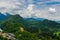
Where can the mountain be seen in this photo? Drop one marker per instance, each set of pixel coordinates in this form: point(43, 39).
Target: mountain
point(15, 18)
point(34, 19)
point(12, 23)
point(39, 26)
point(3, 17)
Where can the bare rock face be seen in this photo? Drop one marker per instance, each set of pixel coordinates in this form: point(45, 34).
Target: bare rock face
point(21, 29)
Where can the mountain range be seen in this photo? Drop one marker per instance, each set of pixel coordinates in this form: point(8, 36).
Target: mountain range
point(39, 26)
point(7, 15)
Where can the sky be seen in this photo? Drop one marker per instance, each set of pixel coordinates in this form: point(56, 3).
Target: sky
point(47, 9)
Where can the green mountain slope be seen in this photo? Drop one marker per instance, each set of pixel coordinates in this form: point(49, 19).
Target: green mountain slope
point(44, 30)
point(12, 23)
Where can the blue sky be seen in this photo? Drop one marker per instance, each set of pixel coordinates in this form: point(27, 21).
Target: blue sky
point(48, 9)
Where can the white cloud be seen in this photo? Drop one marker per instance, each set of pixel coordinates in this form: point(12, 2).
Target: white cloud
point(10, 6)
point(52, 10)
point(30, 7)
point(29, 10)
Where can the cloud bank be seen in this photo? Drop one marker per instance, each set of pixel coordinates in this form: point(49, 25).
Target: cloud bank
point(48, 9)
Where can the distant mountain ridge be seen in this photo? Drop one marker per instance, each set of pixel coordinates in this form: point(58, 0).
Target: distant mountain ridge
point(7, 15)
point(34, 19)
point(3, 17)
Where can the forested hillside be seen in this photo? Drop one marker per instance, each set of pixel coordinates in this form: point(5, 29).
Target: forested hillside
point(25, 29)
